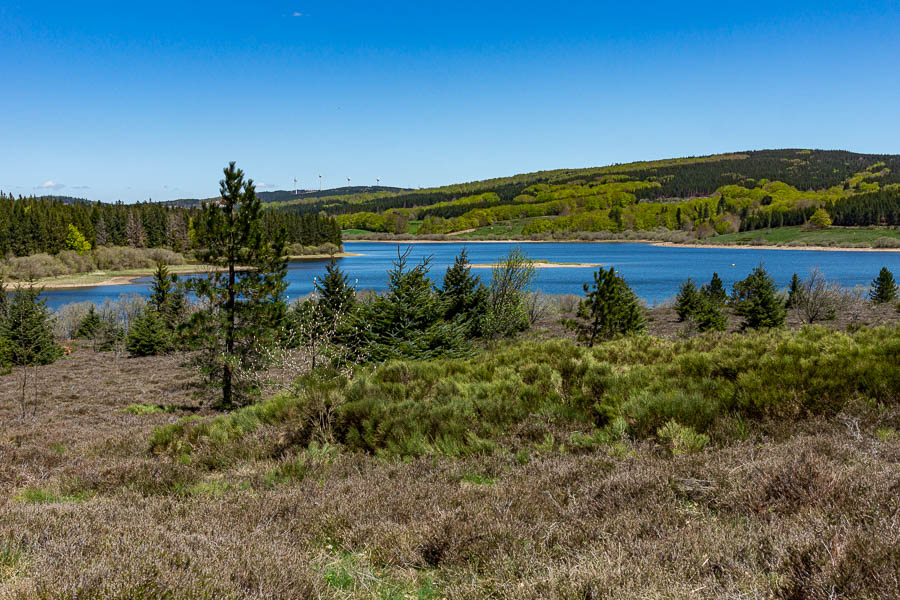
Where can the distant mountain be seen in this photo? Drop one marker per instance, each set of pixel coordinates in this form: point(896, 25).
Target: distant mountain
point(288, 196)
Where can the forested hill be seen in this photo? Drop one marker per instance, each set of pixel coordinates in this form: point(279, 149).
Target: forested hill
point(706, 195)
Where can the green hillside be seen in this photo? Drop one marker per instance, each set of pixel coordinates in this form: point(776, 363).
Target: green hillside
point(703, 197)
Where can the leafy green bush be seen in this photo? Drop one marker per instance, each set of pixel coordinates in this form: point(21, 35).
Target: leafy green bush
point(517, 395)
point(680, 439)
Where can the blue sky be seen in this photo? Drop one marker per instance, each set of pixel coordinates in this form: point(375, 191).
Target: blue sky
point(109, 101)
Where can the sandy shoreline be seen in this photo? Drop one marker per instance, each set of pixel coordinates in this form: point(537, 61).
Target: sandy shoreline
point(544, 265)
point(67, 282)
point(650, 242)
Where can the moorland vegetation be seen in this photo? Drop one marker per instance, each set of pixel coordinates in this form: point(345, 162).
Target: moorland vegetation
point(451, 440)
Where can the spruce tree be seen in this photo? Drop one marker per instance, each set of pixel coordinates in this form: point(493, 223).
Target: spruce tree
point(715, 291)
point(27, 334)
point(336, 295)
point(91, 325)
point(149, 335)
point(166, 296)
point(406, 322)
point(709, 315)
point(795, 292)
point(609, 309)
point(756, 300)
point(884, 288)
point(463, 296)
point(688, 300)
point(244, 298)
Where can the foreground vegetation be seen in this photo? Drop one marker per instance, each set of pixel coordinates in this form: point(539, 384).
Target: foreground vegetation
point(538, 470)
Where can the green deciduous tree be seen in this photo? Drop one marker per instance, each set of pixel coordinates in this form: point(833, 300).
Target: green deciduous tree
point(756, 300)
point(884, 288)
point(76, 241)
point(510, 277)
point(820, 219)
point(243, 302)
point(610, 308)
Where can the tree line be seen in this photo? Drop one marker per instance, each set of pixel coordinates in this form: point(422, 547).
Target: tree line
point(30, 225)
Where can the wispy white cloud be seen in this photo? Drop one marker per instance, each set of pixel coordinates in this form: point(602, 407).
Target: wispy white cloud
point(297, 14)
point(81, 187)
point(262, 184)
point(50, 185)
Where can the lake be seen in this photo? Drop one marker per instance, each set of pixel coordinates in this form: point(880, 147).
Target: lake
point(654, 272)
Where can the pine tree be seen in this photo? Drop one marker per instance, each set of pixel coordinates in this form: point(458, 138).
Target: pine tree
point(610, 308)
point(709, 316)
point(166, 297)
point(795, 292)
point(884, 288)
point(91, 325)
point(149, 335)
point(756, 300)
point(245, 308)
point(27, 335)
point(463, 296)
point(715, 291)
point(336, 295)
point(688, 300)
point(406, 322)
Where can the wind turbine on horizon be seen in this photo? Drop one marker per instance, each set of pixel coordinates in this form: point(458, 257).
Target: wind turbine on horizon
point(320, 182)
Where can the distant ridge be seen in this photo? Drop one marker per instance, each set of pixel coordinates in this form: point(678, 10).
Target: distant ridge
point(290, 196)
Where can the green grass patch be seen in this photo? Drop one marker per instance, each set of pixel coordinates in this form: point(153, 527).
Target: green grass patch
point(888, 434)
point(833, 236)
point(12, 560)
point(149, 409)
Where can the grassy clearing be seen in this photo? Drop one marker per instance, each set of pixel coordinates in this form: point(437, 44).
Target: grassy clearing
point(833, 236)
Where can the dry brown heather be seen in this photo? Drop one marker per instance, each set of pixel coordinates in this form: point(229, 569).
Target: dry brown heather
point(810, 511)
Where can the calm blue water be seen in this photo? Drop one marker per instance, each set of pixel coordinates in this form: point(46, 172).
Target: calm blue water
point(654, 272)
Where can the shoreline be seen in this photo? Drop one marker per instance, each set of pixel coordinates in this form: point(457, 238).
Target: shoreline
point(544, 265)
point(661, 244)
point(129, 276)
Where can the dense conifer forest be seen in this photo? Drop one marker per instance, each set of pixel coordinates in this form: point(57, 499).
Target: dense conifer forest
point(50, 225)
